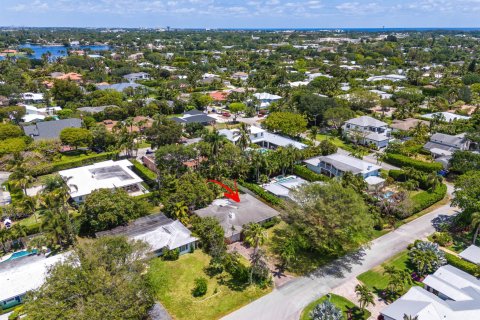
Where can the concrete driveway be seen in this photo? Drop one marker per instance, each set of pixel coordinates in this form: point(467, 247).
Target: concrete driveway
point(288, 301)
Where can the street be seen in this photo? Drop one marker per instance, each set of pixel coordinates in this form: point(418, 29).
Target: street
point(288, 301)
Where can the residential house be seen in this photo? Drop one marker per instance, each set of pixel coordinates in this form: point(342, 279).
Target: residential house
point(445, 116)
point(382, 94)
point(448, 294)
point(135, 56)
point(368, 131)
point(442, 144)
point(120, 87)
point(102, 175)
point(158, 231)
point(263, 138)
point(266, 99)
point(195, 116)
point(283, 187)
point(472, 254)
point(389, 77)
point(30, 97)
point(133, 77)
point(50, 129)
point(19, 276)
point(219, 96)
point(33, 113)
point(243, 76)
point(407, 124)
point(232, 216)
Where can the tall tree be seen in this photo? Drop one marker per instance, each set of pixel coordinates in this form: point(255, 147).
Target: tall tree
point(365, 296)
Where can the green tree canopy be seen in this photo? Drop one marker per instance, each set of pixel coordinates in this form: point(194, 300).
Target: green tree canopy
point(289, 123)
point(8, 130)
point(101, 279)
point(106, 209)
point(467, 192)
point(65, 91)
point(76, 137)
point(164, 131)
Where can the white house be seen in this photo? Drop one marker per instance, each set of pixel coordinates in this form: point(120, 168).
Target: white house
point(263, 138)
point(33, 113)
point(390, 77)
point(382, 94)
point(160, 232)
point(30, 97)
point(368, 130)
point(445, 116)
point(243, 76)
point(102, 175)
point(335, 165)
point(132, 77)
point(449, 294)
point(18, 279)
point(472, 254)
point(266, 99)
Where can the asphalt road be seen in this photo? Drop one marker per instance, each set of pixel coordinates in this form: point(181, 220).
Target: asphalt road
point(288, 301)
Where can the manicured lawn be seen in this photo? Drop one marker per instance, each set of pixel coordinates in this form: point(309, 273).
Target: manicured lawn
point(335, 140)
point(342, 303)
point(173, 281)
point(374, 278)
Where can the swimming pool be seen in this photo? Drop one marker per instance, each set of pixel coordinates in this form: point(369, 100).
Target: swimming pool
point(388, 194)
point(20, 254)
point(284, 179)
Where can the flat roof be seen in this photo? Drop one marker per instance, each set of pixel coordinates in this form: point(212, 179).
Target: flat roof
point(472, 254)
point(344, 163)
point(102, 175)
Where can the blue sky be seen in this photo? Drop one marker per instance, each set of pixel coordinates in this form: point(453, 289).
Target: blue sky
point(241, 14)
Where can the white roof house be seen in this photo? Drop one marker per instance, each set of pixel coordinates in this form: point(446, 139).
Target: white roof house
point(263, 138)
point(391, 77)
point(472, 254)
point(32, 97)
point(447, 116)
point(449, 294)
point(102, 175)
point(16, 280)
point(283, 187)
point(266, 98)
point(337, 164)
point(158, 231)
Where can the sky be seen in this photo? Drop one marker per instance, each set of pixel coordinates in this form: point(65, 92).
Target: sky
point(241, 14)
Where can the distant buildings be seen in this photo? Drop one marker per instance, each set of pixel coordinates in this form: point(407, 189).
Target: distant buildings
point(389, 77)
point(30, 97)
point(449, 294)
point(120, 87)
point(445, 116)
point(102, 175)
point(133, 77)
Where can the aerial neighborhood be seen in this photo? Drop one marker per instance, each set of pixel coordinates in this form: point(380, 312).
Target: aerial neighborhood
point(239, 174)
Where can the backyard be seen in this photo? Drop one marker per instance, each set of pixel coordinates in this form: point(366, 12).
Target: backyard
point(342, 303)
point(173, 281)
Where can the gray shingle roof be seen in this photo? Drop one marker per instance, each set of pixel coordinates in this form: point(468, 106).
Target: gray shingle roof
point(51, 129)
point(119, 86)
point(366, 121)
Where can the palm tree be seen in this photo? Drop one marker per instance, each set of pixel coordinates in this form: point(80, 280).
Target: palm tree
point(21, 177)
point(29, 205)
point(365, 296)
point(433, 180)
point(254, 235)
point(398, 279)
point(180, 212)
point(216, 140)
point(243, 135)
point(312, 133)
point(475, 223)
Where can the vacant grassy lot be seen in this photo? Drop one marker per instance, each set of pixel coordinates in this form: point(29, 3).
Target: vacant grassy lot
point(375, 279)
point(342, 303)
point(173, 282)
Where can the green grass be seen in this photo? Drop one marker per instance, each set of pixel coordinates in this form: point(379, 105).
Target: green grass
point(173, 281)
point(342, 303)
point(374, 278)
point(335, 140)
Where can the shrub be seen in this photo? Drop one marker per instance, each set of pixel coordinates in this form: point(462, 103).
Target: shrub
point(200, 288)
point(426, 257)
point(307, 174)
point(461, 264)
point(442, 238)
point(171, 255)
point(425, 199)
point(404, 161)
point(47, 168)
point(261, 193)
point(146, 174)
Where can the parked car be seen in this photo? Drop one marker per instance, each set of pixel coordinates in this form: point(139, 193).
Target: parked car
point(226, 114)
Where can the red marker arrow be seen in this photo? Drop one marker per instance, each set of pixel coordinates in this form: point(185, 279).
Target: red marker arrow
point(230, 193)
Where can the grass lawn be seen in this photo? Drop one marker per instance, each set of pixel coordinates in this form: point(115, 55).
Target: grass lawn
point(374, 278)
point(342, 303)
point(173, 282)
point(335, 140)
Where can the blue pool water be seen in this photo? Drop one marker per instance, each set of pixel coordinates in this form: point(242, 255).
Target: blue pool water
point(57, 51)
point(20, 254)
point(388, 194)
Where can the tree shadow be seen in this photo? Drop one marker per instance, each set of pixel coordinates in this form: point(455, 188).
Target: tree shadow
point(338, 267)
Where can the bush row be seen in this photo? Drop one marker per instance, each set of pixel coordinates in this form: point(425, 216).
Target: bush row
point(307, 174)
point(421, 177)
point(404, 161)
point(461, 264)
point(259, 191)
point(146, 174)
point(425, 199)
point(47, 168)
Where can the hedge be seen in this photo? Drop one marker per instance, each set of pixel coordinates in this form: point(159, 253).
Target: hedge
point(404, 161)
point(425, 199)
point(421, 177)
point(259, 191)
point(461, 264)
point(307, 174)
point(146, 174)
point(47, 168)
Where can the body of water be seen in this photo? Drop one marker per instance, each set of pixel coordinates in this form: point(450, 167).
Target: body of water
point(57, 51)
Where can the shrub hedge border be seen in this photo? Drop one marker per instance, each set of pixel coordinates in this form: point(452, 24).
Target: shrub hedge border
point(404, 161)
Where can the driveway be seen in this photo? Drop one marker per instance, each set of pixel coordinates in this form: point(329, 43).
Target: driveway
point(371, 158)
point(4, 196)
point(288, 301)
